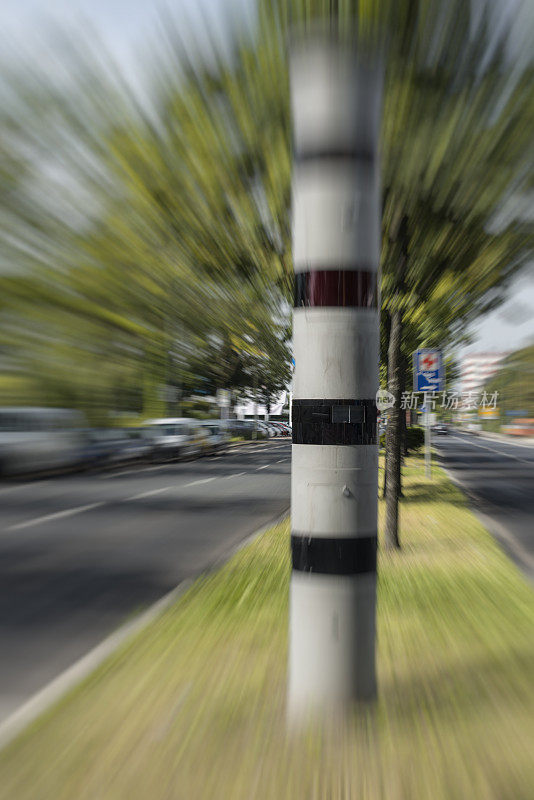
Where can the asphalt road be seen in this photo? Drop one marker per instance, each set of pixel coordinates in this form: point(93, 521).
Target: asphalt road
point(499, 478)
point(80, 554)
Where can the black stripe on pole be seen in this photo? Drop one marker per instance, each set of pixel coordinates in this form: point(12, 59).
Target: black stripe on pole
point(334, 556)
point(302, 154)
point(337, 288)
point(334, 421)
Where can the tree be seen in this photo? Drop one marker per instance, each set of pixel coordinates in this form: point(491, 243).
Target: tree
point(513, 384)
point(445, 260)
point(175, 243)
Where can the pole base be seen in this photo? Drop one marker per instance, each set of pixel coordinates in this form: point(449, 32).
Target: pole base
point(332, 643)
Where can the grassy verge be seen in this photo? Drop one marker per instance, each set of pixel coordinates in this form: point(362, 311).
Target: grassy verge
point(194, 707)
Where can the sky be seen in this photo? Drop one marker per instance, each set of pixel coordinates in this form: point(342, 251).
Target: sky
point(125, 26)
point(510, 326)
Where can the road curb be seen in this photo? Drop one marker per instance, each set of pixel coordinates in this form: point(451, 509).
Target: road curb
point(43, 700)
point(512, 549)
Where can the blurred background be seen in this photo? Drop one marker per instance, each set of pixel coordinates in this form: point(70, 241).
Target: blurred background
point(145, 173)
point(146, 293)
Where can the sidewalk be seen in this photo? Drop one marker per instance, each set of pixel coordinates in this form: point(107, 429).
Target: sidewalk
point(194, 707)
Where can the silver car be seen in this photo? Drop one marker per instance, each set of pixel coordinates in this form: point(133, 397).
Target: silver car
point(218, 435)
point(37, 439)
point(174, 437)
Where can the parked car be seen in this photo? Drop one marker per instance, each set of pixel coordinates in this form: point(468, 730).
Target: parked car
point(100, 448)
point(140, 447)
point(246, 427)
point(38, 439)
point(109, 447)
point(282, 427)
point(204, 438)
point(264, 430)
point(218, 435)
point(175, 437)
point(474, 427)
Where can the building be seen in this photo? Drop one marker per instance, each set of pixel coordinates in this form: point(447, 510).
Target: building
point(247, 407)
point(477, 368)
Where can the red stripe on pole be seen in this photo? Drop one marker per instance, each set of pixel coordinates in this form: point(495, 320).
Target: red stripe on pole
point(319, 288)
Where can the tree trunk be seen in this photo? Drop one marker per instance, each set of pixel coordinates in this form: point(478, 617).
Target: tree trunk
point(394, 431)
point(154, 404)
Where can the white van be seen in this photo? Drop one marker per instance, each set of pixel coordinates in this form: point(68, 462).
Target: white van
point(38, 439)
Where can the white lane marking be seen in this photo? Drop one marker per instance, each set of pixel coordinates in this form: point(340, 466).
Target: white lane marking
point(17, 486)
point(69, 512)
point(148, 494)
point(264, 467)
point(280, 460)
point(235, 475)
point(499, 452)
point(107, 475)
point(202, 480)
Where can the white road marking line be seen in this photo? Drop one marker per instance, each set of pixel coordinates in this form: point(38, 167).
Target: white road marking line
point(148, 494)
point(69, 512)
point(107, 475)
point(17, 486)
point(235, 475)
point(280, 460)
point(202, 480)
point(264, 467)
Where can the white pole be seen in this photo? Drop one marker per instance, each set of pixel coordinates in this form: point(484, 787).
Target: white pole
point(290, 408)
point(255, 431)
point(428, 455)
point(336, 246)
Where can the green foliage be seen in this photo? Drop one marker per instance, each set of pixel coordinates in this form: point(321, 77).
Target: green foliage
point(132, 284)
point(146, 242)
point(198, 409)
point(514, 383)
point(415, 439)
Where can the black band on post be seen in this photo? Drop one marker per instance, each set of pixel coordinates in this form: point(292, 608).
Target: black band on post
point(331, 154)
point(334, 556)
point(336, 288)
point(334, 422)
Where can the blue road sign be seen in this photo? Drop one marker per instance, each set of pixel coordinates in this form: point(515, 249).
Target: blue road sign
point(428, 371)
